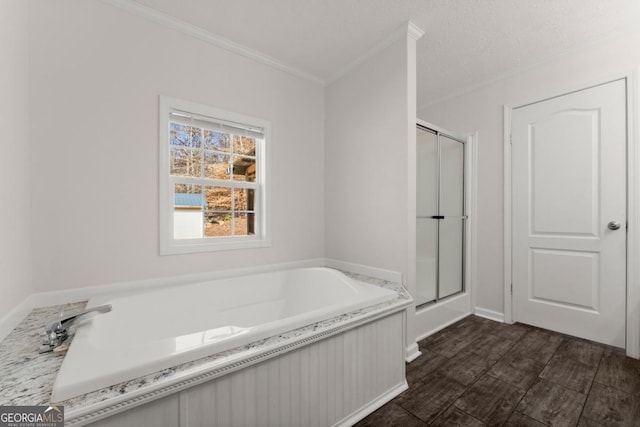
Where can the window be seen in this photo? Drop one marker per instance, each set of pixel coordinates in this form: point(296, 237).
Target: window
point(213, 179)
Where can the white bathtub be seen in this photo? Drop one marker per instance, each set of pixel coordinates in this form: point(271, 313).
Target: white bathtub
point(155, 330)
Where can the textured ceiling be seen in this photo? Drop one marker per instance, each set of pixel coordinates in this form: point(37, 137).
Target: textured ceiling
point(466, 42)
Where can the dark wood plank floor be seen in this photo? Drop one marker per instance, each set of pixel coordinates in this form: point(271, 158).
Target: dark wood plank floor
point(478, 372)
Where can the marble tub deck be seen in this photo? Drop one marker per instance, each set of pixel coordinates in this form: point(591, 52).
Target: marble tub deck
point(27, 377)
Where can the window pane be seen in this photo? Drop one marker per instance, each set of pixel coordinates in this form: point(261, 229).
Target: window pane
point(185, 162)
point(218, 224)
point(251, 215)
point(189, 189)
point(216, 165)
point(214, 140)
point(244, 145)
point(218, 198)
point(184, 136)
point(187, 212)
point(251, 223)
point(241, 199)
point(218, 215)
point(244, 168)
point(242, 225)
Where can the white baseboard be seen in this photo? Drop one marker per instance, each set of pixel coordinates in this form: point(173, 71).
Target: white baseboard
point(489, 314)
point(373, 406)
point(441, 327)
point(412, 352)
point(378, 273)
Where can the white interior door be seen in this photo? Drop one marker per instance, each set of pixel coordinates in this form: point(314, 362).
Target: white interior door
point(568, 195)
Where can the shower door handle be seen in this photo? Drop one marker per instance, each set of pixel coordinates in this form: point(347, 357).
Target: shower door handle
point(449, 216)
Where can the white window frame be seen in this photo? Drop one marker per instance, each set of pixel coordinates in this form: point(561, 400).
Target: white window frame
point(168, 244)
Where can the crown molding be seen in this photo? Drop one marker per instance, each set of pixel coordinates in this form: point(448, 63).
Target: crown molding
point(407, 29)
point(209, 37)
point(414, 31)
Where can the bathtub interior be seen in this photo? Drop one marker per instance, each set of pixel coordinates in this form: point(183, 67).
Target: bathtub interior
point(152, 331)
point(250, 302)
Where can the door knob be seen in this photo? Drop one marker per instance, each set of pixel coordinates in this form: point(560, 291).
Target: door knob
point(613, 225)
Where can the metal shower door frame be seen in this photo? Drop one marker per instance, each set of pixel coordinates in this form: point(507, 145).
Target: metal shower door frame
point(439, 134)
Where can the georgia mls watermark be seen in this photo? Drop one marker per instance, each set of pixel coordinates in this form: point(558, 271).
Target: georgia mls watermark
point(32, 416)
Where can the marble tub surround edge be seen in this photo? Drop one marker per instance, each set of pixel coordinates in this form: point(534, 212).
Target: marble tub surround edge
point(27, 376)
point(122, 396)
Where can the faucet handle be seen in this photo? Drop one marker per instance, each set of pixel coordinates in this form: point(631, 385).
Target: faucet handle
point(61, 324)
point(46, 337)
point(51, 339)
point(61, 313)
point(57, 331)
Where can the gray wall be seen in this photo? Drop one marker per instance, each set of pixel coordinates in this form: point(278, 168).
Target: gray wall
point(95, 83)
point(15, 191)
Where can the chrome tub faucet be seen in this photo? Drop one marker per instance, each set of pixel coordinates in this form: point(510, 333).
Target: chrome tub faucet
point(56, 332)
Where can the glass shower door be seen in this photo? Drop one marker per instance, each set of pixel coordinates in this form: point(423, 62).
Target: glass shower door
point(451, 226)
point(426, 227)
point(440, 216)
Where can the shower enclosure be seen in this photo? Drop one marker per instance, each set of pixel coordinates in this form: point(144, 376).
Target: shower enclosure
point(440, 215)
